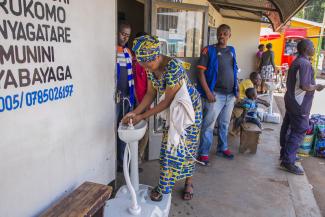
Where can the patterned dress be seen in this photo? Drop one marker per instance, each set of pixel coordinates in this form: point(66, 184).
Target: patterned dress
point(174, 168)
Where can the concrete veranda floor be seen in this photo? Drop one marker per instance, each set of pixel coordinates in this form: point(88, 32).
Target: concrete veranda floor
point(248, 186)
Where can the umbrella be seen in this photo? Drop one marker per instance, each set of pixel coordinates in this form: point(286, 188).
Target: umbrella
point(267, 34)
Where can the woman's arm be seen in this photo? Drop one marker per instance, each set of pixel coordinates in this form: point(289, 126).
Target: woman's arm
point(164, 104)
point(146, 102)
point(147, 99)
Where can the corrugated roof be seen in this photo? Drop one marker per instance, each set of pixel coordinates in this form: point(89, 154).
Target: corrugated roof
point(278, 12)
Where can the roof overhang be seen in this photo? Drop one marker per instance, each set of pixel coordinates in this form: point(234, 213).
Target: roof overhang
point(275, 12)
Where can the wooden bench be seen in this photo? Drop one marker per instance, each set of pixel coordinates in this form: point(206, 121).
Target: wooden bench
point(87, 200)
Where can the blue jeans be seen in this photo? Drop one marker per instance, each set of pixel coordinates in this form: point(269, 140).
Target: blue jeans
point(220, 110)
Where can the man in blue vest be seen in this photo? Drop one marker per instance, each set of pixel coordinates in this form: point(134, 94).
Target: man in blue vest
point(219, 88)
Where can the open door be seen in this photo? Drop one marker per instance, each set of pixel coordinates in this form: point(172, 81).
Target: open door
point(182, 30)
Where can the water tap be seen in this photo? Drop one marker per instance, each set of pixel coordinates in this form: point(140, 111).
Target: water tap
point(123, 101)
point(131, 127)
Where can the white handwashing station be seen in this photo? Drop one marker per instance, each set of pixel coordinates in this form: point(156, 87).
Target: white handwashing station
point(133, 199)
point(269, 116)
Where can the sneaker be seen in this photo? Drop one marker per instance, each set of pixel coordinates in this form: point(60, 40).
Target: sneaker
point(204, 160)
point(291, 168)
point(297, 158)
point(226, 154)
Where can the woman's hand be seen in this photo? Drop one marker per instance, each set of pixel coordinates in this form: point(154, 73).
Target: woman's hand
point(127, 117)
point(136, 119)
point(131, 117)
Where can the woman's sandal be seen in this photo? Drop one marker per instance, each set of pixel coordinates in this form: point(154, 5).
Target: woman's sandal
point(155, 195)
point(188, 195)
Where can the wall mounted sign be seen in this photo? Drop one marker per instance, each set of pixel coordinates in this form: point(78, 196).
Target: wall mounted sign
point(30, 34)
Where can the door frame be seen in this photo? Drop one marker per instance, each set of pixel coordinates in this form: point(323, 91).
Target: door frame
point(151, 7)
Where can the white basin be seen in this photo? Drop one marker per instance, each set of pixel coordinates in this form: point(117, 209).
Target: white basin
point(271, 85)
point(118, 207)
point(130, 135)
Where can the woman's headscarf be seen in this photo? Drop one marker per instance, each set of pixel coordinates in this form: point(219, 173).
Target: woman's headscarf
point(146, 48)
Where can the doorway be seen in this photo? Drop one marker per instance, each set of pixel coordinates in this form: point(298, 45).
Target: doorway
point(132, 12)
point(182, 30)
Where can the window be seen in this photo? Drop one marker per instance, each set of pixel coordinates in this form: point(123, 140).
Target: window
point(212, 39)
point(180, 32)
point(291, 47)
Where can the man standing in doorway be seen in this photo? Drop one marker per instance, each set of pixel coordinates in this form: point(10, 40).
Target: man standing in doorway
point(125, 98)
point(218, 87)
point(298, 101)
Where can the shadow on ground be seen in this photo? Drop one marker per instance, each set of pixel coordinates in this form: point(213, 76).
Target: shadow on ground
point(248, 186)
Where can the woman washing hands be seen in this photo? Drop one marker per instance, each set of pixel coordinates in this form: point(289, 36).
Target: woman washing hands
point(167, 77)
point(131, 118)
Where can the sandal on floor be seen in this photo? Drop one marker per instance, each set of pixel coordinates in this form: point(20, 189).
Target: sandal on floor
point(158, 196)
point(187, 195)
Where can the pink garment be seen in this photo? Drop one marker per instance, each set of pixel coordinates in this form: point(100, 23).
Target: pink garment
point(140, 80)
point(259, 54)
